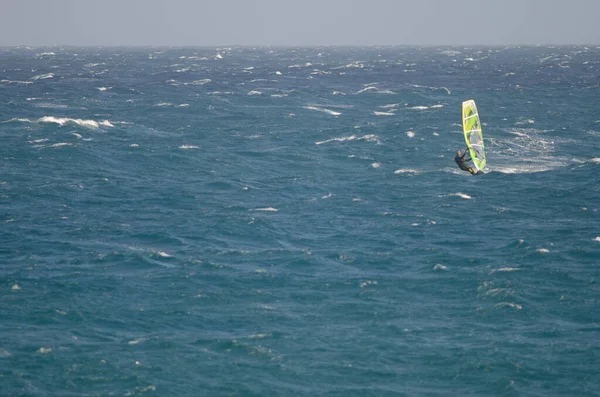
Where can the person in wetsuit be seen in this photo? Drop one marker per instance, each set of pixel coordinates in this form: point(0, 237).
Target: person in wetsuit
point(461, 161)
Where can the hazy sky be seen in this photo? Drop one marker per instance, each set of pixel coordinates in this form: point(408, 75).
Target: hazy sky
point(298, 22)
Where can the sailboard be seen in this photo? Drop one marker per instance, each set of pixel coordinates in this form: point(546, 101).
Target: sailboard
point(473, 135)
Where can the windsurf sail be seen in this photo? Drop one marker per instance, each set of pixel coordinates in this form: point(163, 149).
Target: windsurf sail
point(473, 135)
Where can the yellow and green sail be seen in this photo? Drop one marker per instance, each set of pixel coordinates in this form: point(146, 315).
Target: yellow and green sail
point(472, 132)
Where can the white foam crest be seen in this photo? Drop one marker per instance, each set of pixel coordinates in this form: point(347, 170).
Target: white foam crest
point(44, 350)
point(43, 76)
point(163, 104)
point(506, 269)
point(451, 53)
point(422, 107)
point(137, 341)
point(39, 140)
point(595, 160)
point(331, 112)
point(44, 54)
point(83, 123)
point(16, 82)
point(92, 65)
point(266, 209)
point(440, 267)
point(542, 250)
point(406, 171)
point(384, 113)
point(508, 304)
point(306, 65)
point(375, 90)
point(390, 106)
point(367, 283)
point(376, 165)
point(61, 144)
point(253, 92)
point(278, 73)
point(368, 138)
point(597, 239)
point(461, 195)
point(199, 82)
point(410, 134)
point(337, 93)
point(15, 287)
point(103, 88)
point(188, 147)
point(525, 122)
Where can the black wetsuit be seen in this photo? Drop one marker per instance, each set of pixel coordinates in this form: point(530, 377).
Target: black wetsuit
point(460, 160)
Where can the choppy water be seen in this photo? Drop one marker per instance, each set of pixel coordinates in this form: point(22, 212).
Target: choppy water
point(290, 222)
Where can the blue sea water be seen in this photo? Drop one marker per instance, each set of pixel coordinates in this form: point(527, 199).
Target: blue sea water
point(291, 222)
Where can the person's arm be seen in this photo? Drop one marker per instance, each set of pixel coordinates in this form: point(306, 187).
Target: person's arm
point(466, 152)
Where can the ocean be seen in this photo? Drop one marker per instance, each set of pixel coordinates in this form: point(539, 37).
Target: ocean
point(291, 222)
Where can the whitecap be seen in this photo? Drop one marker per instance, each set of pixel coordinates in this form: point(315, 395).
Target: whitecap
point(418, 108)
point(199, 82)
point(597, 239)
point(461, 195)
point(136, 341)
point(43, 76)
point(323, 110)
point(267, 209)
point(189, 147)
point(376, 165)
point(509, 304)
point(406, 171)
point(506, 269)
point(368, 138)
point(15, 287)
point(410, 134)
point(44, 350)
point(61, 144)
point(368, 282)
point(542, 250)
point(253, 92)
point(440, 267)
point(384, 114)
point(83, 123)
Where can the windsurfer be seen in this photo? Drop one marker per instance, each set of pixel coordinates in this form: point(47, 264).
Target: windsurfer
point(461, 161)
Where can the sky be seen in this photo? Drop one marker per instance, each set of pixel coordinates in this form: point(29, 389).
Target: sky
point(297, 22)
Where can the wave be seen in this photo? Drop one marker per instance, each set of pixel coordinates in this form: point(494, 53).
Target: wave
point(64, 121)
point(16, 82)
point(384, 113)
point(407, 171)
point(368, 138)
point(426, 107)
point(323, 110)
point(189, 147)
point(266, 209)
point(43, 76)
point(461, 195)
point(375, 90)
